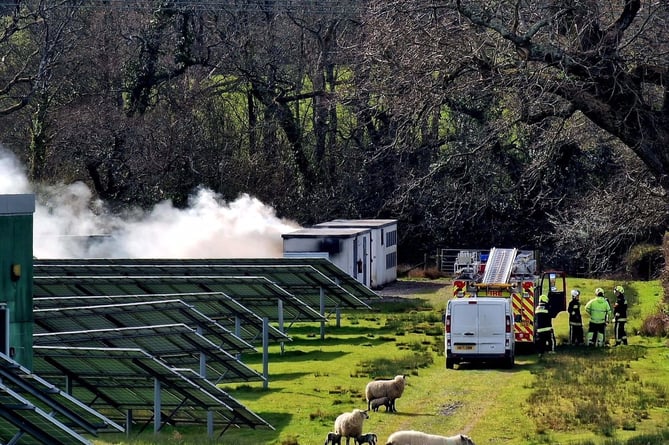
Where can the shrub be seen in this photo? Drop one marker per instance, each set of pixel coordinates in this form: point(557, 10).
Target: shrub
point(656, 325)
point(431, 273)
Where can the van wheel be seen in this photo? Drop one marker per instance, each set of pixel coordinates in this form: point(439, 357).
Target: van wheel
point(449, 364)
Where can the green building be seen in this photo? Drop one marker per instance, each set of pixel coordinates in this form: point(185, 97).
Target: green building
point(16, 277)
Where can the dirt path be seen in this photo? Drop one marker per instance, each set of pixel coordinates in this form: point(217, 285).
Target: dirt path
point(485, 403)
point(462, 400)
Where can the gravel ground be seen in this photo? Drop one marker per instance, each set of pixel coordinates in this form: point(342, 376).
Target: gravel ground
point(403, 288)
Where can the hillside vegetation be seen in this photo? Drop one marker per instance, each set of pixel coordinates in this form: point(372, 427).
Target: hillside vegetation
point(577, 396)
point(539, 124)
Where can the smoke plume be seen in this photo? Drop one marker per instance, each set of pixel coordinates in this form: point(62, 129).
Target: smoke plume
point(69, 222)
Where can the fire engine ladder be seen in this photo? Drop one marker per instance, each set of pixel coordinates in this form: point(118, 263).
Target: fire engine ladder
point(499, 264)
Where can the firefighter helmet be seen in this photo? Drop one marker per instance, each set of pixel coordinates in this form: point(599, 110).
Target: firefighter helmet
point(619, 289)
point(599, 292)
point(575, 293)
point(543, 298)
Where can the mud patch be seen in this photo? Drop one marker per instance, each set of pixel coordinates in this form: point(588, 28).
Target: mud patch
point(449, 409)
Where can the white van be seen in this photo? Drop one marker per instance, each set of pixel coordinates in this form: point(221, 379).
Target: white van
point(479, 329)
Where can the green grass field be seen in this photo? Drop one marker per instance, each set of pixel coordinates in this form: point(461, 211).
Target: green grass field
point(577, 396)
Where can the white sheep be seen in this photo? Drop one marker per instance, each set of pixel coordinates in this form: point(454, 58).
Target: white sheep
point(350, 424)
point(333, 439)
point(369, 438)
point(419, 438)
point(392, 389)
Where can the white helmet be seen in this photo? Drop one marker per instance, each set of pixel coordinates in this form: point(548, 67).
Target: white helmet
point(575, 293)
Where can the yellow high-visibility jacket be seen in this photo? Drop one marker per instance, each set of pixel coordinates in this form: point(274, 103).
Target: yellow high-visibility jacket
point(599, 310)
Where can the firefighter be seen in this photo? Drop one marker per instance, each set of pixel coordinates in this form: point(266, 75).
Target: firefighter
point(599, 311)
point(620, 316)
point(575, 319)
point(545, 340)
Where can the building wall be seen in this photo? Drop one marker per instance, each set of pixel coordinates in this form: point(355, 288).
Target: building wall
point(16, 274)
point(346, 248)
point(383, 246)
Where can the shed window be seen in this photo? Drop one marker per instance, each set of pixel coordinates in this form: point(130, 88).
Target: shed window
point(391, 238)
point(391, 260)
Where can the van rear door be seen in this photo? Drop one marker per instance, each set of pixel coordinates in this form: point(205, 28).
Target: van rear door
point(492, 326)
point(464, 326)
point(478, 327)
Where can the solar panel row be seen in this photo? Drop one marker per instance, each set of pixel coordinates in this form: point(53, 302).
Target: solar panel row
point(168, 324)
point(215, 305)
point(115, 380)
point(140, 313)
point(34, 411)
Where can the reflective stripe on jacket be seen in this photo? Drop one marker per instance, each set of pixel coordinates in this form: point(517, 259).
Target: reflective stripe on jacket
point(542, 318)
point(620, 309)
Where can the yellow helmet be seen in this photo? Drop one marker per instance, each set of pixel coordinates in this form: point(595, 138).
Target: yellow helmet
point(619, 289)
point(543, 298)
point(599, 292)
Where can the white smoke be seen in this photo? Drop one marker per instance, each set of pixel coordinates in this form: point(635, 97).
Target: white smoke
point(70, 223)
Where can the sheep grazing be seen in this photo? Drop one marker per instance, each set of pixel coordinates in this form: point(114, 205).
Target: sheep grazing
point(369, 438)
point(392, 389)
point(350, 424)
point(381, 401)
point(419, 438)
point(333, 439)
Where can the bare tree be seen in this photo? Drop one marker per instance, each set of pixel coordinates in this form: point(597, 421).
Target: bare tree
point(605, 59)
point(597, 231)
point(35, 39)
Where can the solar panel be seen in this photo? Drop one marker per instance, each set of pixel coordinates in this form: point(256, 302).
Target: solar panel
point(305, 281)
point(22, 422)
point(136, 314)
point(258, 294)
point(115, 380)
point(31, 409)
point(178, 345)
point(215, 305)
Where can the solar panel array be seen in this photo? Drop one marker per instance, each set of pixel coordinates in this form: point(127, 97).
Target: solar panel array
point(261, 295)
point(136, 338)
point(302, 277)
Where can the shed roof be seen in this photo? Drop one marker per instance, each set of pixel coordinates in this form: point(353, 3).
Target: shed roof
point(370, 223)
point(326, 232)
